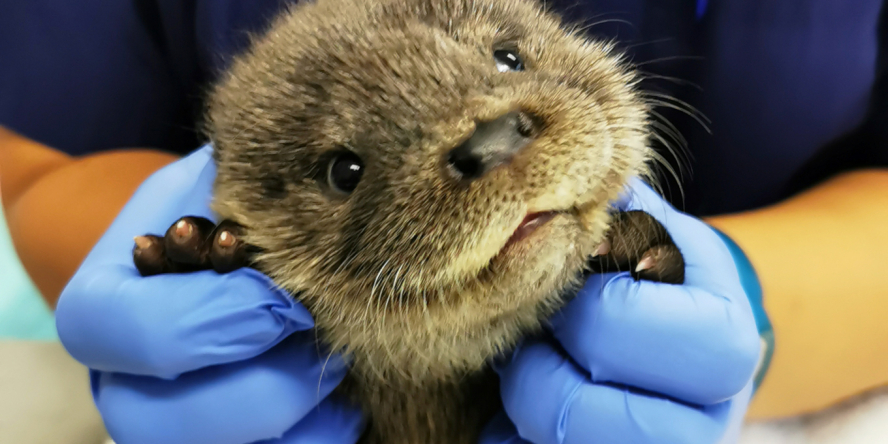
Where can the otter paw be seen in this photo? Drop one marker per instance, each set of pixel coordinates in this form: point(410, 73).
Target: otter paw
point(662, 263)
point(639, 244)
point(192, 244)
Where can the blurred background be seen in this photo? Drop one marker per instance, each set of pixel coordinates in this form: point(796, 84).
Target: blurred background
point(23, 314)
point(44, 394)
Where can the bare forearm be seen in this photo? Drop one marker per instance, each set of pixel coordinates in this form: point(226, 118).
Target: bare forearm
point(821, 260)
point(22, 163)
point(57, 206)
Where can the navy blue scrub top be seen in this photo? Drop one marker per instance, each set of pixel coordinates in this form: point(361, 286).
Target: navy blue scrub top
point(795, 90)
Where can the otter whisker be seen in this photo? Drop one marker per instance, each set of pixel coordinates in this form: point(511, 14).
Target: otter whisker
point(397, 288)
point(653, 181)
point(668, 101)
point(676, 80)
point(665, 59)
point(373, 296)
point(665, 126)
point(323, 370)
point(581, 29)
point(676, 150)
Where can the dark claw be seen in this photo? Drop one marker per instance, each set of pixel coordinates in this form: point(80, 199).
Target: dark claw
point(192, 244)
point(149, 255)
point(637, 238)
point(188, 240)
point(228, 252)
point(662, 263)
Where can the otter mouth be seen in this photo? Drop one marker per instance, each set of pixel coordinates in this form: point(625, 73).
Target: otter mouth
point(531, 223)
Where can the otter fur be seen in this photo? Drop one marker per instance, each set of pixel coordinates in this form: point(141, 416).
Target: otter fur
point(430, 178)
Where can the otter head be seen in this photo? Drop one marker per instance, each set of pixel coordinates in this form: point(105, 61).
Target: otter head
point(427, 176)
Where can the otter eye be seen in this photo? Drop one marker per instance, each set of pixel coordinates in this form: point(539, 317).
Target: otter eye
point(507, 60)
point(344, 172)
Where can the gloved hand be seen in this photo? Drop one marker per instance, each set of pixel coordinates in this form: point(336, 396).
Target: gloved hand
point(202, 357)
point(639, 362)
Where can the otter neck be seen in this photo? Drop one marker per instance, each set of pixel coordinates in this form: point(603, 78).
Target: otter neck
point(446, 411)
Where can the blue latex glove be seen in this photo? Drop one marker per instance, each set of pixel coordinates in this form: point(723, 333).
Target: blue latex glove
point(639, 362)
point(202, 357)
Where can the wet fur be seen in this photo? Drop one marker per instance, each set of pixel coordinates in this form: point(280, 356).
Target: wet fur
point(406, 273)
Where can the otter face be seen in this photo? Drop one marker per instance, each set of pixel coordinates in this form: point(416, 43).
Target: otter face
point(428, 176)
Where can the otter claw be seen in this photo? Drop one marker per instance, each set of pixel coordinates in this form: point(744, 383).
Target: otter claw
point(639, 243)
point(192, 244)
point(226, 239)
point(183, 229)
point(645, 263)
point(142, 242)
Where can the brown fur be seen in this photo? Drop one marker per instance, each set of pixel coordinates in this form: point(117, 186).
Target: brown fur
point(406, 274)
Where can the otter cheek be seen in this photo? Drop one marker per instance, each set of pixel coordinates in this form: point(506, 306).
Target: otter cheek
point(560, 193)
point(476, 254)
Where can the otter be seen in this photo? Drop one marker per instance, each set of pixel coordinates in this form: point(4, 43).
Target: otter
point(432, 179)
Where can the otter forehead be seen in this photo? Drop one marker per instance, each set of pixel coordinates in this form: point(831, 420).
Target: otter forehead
point(395, 74)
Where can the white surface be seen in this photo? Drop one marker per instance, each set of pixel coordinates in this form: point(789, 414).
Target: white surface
point(862, 420)
point(45, 396)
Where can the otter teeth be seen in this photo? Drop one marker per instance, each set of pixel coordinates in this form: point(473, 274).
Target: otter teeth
point(602, 249)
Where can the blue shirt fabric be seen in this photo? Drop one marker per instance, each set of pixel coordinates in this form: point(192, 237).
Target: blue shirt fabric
point(793, 88)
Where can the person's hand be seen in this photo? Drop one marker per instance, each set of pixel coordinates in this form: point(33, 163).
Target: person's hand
point(198, 357)
point(636, 361)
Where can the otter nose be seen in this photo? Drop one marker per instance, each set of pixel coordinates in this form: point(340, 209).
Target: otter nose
point(493, 143)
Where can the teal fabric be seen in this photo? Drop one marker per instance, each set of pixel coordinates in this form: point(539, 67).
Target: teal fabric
point(753, 288)
point(23, 314)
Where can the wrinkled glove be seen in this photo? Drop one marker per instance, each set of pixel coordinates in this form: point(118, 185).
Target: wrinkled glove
point(198, 357)
point(641, 362)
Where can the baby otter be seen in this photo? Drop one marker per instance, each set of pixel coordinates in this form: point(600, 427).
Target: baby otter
point(430, 178)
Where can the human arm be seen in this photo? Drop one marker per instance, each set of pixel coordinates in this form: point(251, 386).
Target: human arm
point(820, 259)
point(57, 206)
